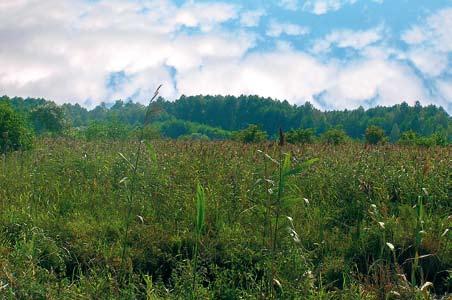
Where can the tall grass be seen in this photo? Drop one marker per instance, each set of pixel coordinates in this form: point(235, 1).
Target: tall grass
point(63, 221)
point(133, 178)
point(200, 216)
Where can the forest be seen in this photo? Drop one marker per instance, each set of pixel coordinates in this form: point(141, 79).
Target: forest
point(219, 117)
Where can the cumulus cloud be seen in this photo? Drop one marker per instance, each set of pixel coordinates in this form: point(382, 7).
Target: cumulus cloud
point(275, 29)
point(251, 18)
point(320, 7)
point(431, 43)
point(385, 81)
point(358, 39)
point(79, 51)
point(66, 50)
point(264, 74)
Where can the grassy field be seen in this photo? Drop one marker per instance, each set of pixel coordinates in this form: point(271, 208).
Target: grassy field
point(223, 220)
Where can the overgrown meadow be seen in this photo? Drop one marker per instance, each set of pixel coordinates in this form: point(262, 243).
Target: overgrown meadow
point(225, 220)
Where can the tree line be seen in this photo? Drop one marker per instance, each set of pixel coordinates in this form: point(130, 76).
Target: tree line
point(246, 118)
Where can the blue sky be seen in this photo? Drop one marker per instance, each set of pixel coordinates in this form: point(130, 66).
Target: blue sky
point(334, 53)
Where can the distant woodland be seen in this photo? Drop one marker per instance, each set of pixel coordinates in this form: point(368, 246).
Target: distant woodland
point(218, 117)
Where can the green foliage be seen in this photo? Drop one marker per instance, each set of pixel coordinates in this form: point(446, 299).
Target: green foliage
point(234, 113)
point(175, 128)
point(251, 134)
point(150, 132)
point(48, 118)
point(410, 138)
point(106, 130)
point(14, 134)
point(374, 135)
point(334, 136)
point(395, 133)
point(300, 136)
point(194, 137)
point(64, 208)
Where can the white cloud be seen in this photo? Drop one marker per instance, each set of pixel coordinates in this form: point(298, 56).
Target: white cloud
point(262, 74)
point(385, 81)
point(435, 32)
point(251, 18)
point(289, 4)
point(67, 50)
point(431, 43)
point(320, 7)
point(275, 29)
point(205, 15)
point(431, 63)
point(415, 35)
point(349, 39)
point(445, 89)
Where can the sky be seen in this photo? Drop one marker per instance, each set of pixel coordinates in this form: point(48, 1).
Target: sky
point(335, 54)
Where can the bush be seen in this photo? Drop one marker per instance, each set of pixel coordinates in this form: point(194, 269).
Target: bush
point(411, 138)
point(300, 136)
point(14, 134)
point(251, 134)
point(150, 132)
point(374, 135)
point(334, 136)
point(194, 137)
point(175, 128)
point(107, 130)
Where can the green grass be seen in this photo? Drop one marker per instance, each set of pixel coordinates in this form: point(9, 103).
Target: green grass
point(323, 235)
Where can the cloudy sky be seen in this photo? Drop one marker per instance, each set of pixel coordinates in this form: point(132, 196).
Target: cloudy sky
point(334, 53)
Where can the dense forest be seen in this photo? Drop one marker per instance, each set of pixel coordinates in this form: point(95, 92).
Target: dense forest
point(215, 117)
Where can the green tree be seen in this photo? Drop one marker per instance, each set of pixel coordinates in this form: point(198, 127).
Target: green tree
point(48, 118)
point(408, 138)
point(334, 136)
point(395, 133)
point(14, 134)
point(175, 128)
point(374, 135)
point(300, 136)
point(251, 134)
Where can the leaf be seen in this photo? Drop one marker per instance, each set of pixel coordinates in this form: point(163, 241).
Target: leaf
point(300, 168)
point(391, 246)
point(152, 152)
point(200, 208)
point(286, 164)
point(126, 160)
point(426, 286)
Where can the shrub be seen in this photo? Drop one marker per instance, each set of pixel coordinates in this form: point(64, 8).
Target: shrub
point(251, 134)
point(150, 132)
point(175, 128)
point(14, 134)
point(334, 136)
point(374, 135)
point(411, 138)
point(300, 136)
point(194, 137)
point(107, 130)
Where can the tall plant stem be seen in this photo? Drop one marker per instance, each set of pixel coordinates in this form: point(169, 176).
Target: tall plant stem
point(133, 179)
